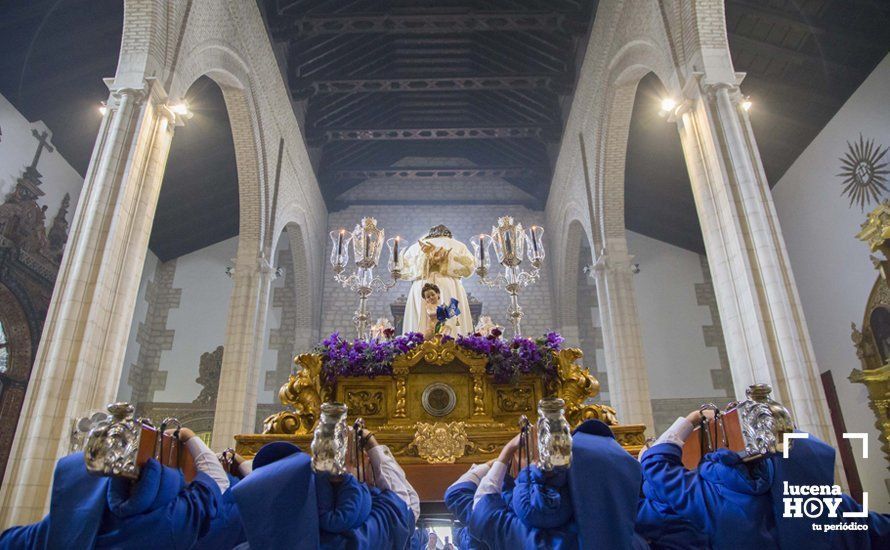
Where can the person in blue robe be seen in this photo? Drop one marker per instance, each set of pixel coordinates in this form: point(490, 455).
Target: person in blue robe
point(663, 529)
point(157, 510)
point(226, 530)
point(811, 462)
point(283, 492)
point(563, 510)
point(725, 499)
point(459, 501)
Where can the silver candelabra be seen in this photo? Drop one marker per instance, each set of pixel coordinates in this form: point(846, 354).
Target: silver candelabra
point(367, 243)
point(511, 243)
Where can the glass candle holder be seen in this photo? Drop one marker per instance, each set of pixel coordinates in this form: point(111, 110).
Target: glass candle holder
point(481, 251)
point(535, 244)
point(367, 242)
point(554, 435)
point(330, 440)
point(395, 253)
point(509, 241)
point(340, 251)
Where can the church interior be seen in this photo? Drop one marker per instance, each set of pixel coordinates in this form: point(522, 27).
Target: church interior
point(221, 212)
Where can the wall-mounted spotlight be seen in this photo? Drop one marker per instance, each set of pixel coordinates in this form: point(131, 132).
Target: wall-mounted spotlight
point(746, 103)
point(668, 105)
point(103, 108)
point(181, 109)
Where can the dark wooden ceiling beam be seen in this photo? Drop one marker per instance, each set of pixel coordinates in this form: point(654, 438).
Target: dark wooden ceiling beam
point(335, 205)
point(432, 173)
point(814, 26)
point(473, 132)
point(444, 23)
point(772, 50)
point(554, 83)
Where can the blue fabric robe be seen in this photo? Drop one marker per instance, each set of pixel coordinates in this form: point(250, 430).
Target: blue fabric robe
point(159, 510)
point(225, 530)
point(601, 472)
point(723, 498)
point(664, 529)
point(811, 462)
point(459, 501)
point(76, 495)
point(277, 504)
point(98, 512)
point(353, 515)
point(284, 505)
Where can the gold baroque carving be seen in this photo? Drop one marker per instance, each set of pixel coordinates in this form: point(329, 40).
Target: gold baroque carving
point(878, 383)
point(401, 395)
point(364, 402)
point(517, 399)
point(440, 443)
point(438, 352)
point(304, 393)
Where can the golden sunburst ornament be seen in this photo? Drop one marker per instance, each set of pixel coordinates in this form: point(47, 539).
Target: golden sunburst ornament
point(864, 179)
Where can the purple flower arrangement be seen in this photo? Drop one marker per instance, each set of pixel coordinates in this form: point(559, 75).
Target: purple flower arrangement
point(507, 359)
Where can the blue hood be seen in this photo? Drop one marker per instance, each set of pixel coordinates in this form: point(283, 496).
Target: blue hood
point(342, 506)
point(603, 472)
point(157, 486)
point(79, 498)
point(541, 500)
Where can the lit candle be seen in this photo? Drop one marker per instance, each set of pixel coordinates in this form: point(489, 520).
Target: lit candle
point(395, 252)
point(534, 240)
point(507, 246)
point(340, 243)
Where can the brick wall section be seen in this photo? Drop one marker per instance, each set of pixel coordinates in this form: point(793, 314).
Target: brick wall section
point(153, 336)
point(713, 333)
point(412, 222)
point(495, 189)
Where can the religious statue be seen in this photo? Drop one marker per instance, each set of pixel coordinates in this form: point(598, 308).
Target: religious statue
point(441, 260)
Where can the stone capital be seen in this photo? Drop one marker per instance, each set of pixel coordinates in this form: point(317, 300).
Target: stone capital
point(613, 262)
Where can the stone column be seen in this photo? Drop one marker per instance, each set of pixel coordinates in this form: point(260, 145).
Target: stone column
point(245, 330)
point(622, 341)
point(80, 357)
point(766, 335)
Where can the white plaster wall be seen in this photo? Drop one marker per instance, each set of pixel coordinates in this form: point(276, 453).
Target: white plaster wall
point(832, 269)
point(132, 354)
point(17, 148)
point(200, 319)
point(678, 362)
point(199, 322)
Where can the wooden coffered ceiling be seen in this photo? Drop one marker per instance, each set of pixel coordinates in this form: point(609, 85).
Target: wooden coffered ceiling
point(488, 81)
point(482, 80)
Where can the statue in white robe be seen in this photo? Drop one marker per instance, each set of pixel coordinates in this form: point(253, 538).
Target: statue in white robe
point(442, 260)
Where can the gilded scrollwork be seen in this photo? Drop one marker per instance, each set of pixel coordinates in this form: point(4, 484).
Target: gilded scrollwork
point(516, 399)
point(437, 351)
point(468, 437)
point(478, 391)
point(576, 386)
point(303, 391)
point(365, 402)
point(440, 443)
point(878, 383)
point(401, 396)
